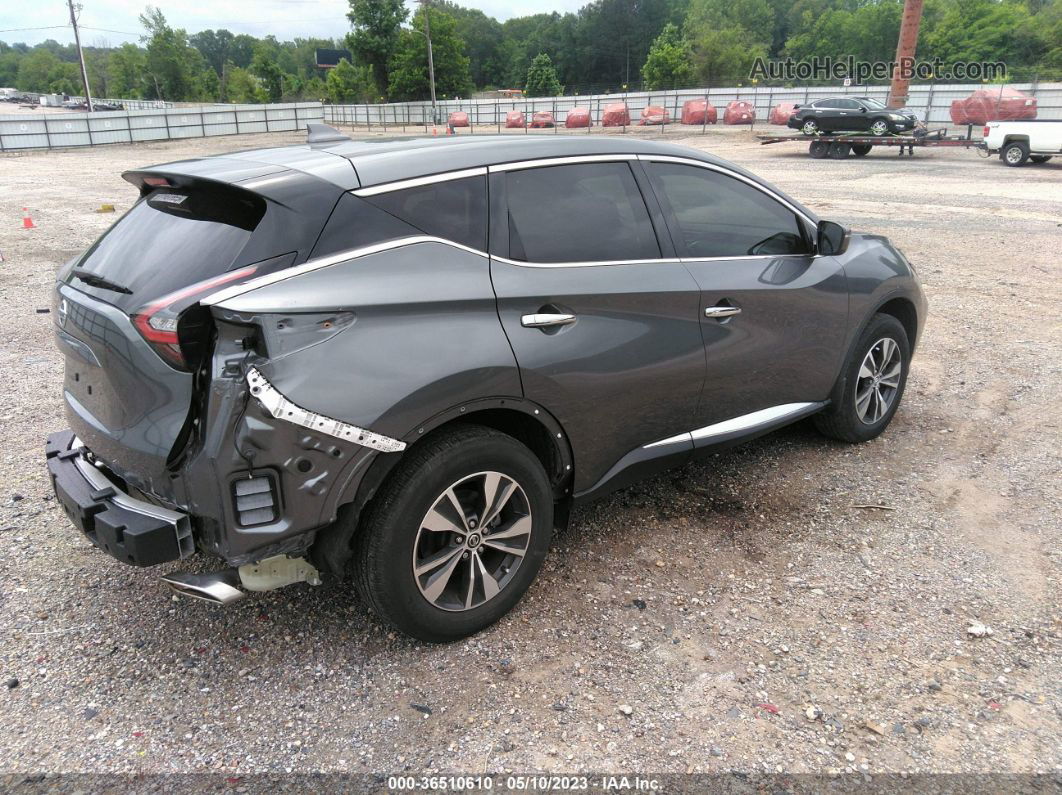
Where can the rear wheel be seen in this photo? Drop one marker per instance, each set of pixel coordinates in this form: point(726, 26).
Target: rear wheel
point(867, 396)
point(1039, 158)
point(880, 127)
point(456, 535)
point(1015, 153)
point(819, 149)
point(861, 150)
point(809, 127)
point(839, 151)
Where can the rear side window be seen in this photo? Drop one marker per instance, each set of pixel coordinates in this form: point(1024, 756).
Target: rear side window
point(718, 216)
point(453, 210)
point(588, 212)
point(174, 238)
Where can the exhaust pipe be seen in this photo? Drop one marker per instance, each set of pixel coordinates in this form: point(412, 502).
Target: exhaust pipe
point(219, 587)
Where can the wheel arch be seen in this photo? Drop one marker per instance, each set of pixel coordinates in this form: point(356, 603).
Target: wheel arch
point(527, 422)
point(904, 310)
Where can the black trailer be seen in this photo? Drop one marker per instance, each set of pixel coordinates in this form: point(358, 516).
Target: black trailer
point(841, 145)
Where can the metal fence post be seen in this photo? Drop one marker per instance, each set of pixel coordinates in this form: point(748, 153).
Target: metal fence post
point(704, 118)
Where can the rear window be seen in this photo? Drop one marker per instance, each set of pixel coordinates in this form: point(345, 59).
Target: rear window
point(172, 239)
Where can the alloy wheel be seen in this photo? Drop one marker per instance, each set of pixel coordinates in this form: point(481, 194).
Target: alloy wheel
point(810, 127)
point(878, 381)
point(471, 541)
point(879, 127)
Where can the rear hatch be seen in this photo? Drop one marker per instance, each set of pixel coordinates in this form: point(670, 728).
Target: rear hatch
point(121, 315)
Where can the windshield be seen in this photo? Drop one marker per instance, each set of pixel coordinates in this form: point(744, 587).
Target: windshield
point(169, 240)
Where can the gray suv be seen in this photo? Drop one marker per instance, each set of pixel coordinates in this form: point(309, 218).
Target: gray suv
point(409, 359)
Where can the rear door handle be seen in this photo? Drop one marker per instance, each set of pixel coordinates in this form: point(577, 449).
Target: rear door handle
point(721, 311)
point(546, 319)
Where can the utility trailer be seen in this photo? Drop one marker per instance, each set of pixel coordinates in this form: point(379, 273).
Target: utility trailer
point(841, 145)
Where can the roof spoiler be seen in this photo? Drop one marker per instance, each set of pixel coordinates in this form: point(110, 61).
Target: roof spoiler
point(324, 134)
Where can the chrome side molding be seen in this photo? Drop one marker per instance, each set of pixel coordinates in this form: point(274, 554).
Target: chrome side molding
point(746, 422)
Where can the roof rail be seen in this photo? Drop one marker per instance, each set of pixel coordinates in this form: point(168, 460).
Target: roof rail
point(324, 134)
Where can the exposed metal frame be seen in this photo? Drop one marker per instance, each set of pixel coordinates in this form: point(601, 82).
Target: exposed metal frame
point(283, 409)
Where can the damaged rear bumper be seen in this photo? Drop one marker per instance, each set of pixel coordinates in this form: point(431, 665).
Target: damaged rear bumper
point(129, 529)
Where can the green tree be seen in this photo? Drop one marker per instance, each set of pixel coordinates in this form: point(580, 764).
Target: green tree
point(542, 78)
point(264, 67)
point(35, 70)
point(409, 67)
point(175, 69)
point(126, 66)
point(483, 39)
point(375, 39)
point(726, 37)
point(669, 64)
point(243, 87)
point(347, 84)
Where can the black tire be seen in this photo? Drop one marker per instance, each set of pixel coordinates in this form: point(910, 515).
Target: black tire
point(1039, 158)
point(861, 150)
point(809, 127)
point(385, 545)
point(1015, 153)
point(819, 149)
point(880, 126)
point(839, 151)
point(841, 420)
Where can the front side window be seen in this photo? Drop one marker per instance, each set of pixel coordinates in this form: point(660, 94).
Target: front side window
point(586, 212)
point(719, 216)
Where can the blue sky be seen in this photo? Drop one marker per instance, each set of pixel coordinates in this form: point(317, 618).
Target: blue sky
point(115, 21)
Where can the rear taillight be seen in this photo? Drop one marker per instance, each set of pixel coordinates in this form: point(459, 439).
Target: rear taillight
point(985, 131)
point(157, 321)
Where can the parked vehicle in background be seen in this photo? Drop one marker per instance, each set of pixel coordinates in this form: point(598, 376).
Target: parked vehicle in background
point(1018, 142)
point(410, 359)
point(851, 114)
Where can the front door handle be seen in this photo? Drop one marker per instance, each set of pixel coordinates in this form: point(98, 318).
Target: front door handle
point(546, 319)
point(721, 311)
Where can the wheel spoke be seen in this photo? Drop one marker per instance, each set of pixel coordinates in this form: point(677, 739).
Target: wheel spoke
point(520, 527)
point(496, 491)
point(436, 560)
point(863, 402)
point(864, 370)
point(437, 582)
point(490, 585)
point(517, 549)
point(471, 580)
point(437, 523)
point(456, 503)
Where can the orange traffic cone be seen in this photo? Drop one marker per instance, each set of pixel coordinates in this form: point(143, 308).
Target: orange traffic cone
point(27, 222)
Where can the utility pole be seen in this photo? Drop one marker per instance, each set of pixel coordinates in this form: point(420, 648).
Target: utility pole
point(431, 62)
point(905, 52)
point(80, 54)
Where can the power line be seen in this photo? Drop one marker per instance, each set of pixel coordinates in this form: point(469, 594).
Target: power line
point(18, 30)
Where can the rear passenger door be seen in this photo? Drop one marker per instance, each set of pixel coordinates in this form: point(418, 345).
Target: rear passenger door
point(773, 313)
point(601, 315)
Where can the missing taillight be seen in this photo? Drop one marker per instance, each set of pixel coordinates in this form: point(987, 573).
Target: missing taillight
point(157, 322)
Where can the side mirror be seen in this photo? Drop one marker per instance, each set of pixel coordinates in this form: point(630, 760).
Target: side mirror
point(831, 238)
point(862, 109)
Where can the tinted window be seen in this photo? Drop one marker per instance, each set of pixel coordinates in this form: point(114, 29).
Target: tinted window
point(172, 239)
point(847, 104)
point(825, 103)
point(719, 216)
point(590, 212)
point(454, 210)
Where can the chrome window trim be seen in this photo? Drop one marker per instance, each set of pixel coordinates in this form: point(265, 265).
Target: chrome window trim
point(416, 182)
point(545, 162)
point(215, 299)
point(689, 161)
point(603, 263)
point(744, 422)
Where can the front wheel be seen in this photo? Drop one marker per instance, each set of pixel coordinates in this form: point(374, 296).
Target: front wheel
point(456, 535)
point(872, 385)
point(879, 127)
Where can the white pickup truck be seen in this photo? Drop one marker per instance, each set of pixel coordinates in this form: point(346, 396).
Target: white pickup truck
point(1020, 141)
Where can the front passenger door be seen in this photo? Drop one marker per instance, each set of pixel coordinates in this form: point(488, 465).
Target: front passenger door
point(773, 314)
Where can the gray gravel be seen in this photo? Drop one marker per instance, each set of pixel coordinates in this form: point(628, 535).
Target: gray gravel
point(740, 613)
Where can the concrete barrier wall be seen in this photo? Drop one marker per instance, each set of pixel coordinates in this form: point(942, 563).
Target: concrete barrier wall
point(63, 130)
point(931, 102)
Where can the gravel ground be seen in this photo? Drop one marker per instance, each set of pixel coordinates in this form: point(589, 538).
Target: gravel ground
point(748, 613)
